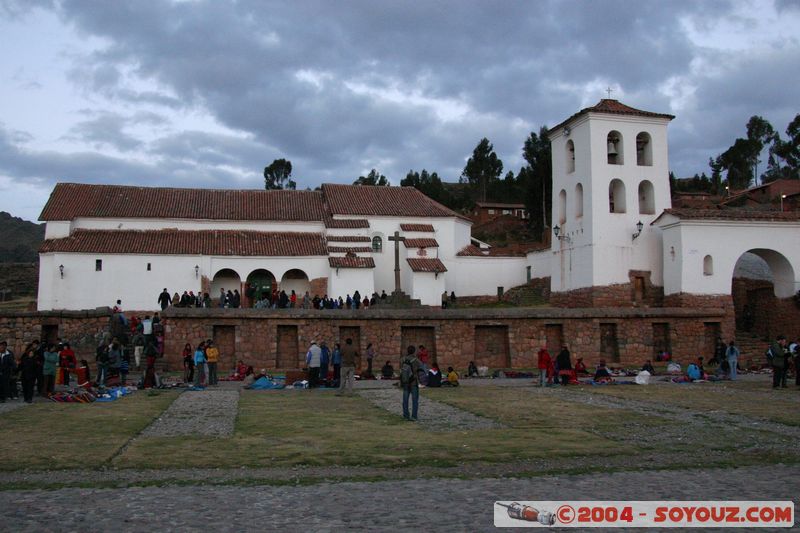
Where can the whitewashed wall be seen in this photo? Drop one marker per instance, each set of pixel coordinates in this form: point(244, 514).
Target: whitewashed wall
point(186, 224)
point(687, 243)
point(477, 276)
point(427, 287)
point(348, 281)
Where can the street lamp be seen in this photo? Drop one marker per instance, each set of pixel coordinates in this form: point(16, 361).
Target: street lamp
point(61, 270)
point(782, 197)
point(639, 227)
point(196, 271)
point(557, 230)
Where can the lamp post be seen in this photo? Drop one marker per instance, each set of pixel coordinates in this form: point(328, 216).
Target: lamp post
point(782, 197)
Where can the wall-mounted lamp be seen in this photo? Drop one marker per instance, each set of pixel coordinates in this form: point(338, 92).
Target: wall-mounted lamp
point(196, 271)
point(557, 230)
point(639, 227)
point(61, 270)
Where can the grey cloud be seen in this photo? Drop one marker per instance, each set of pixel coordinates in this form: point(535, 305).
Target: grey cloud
point(105, 129)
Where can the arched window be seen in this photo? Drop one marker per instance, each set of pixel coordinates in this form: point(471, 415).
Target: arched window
point(644, 150)
point(647, 204)
point(570, 156)
point(377, 244)
point(562, 206)
point(708, 266)
point(616, 196)
point(578, 201)
point(614, 148)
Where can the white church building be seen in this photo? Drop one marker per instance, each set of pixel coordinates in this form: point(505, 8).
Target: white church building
point(616, 240)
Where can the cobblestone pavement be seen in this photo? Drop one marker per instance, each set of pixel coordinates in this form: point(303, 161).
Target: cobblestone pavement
point(207, 412)
point(433, 415)
point(433, 504)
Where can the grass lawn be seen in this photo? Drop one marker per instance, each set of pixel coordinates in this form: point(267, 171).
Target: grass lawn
point(69, 435)
point(292, 428)
point(748, 398)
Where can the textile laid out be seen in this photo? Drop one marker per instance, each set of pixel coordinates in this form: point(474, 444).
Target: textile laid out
point(264, 383)
point(91, 395)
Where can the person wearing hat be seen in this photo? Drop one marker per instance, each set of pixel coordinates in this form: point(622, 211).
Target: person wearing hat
point(8, 365)
point(313, 360)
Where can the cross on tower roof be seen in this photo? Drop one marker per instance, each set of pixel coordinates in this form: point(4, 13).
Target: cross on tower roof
point(608, 90)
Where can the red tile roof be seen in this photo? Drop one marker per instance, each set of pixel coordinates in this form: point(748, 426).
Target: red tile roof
point(348, 238)
point(426, 265)
point(178, 242)
point(350, 223)
point(351, 262)
point(500, 205)
point(471, 251)
point(71, 200)
point(349, 249)
point(611, 107)
point(732, 214)
point(428, 228)
point(382, 201)
point(421, 243)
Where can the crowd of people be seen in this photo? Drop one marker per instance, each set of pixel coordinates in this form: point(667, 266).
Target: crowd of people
point(269, 300)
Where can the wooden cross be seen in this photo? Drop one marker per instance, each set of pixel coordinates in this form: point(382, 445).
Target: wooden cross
point(608, 90)
point(397, 238)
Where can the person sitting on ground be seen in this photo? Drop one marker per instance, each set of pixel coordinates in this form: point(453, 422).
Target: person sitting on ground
point(602, 375)
point(434, 376)
point(387, 371)
point(452, 378)
point(241, 369)
point(693, 372)
point(472, 370)
point(648, 366)
point(580, 367)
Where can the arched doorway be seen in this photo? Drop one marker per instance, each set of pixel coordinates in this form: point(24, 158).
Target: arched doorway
point(259, 285)
point(763, 283)
point(227, 279)
point(295, 280)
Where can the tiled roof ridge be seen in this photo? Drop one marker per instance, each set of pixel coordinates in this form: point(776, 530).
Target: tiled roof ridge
point(421, 228)
point(732, 214)
point(351, 262)
point(424, 242)
point(348, 238)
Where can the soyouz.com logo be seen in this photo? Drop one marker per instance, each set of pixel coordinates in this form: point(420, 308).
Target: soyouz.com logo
point(607, 514)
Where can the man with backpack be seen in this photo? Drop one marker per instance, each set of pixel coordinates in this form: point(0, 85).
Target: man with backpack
point(777, 358)
point(409, 381)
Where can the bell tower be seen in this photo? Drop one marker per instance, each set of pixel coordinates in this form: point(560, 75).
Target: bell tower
point(610, 181)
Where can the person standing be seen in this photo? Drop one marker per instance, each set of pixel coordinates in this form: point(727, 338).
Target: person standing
point(200, 365)
point(543, 363)
point(409, 381)
point(212, 359)
point(564, 365)
point(777, 352)
point(313, 359)
point(188, 363)
point(8, 365)
point(49, 370)
point(732, 355)
point(370, 357)
point(324, 361)
point(28, 370)
point(336, 360)
point(114, 357)
point(67, 361)
point(348, 369)
point(164, 299)
point(150, 352)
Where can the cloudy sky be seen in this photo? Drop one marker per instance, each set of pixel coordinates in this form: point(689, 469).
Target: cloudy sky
point(205, 93)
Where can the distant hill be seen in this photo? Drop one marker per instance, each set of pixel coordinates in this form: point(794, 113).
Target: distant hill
point(19, 239)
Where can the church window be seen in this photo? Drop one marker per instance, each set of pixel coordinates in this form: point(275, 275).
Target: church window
point(562, 207)
point(644, 150)
point(377, 244)
point(646, 201)
point(570, 156)
point(98, 265)
point(614, 148)
point(708, 266)
point(149, 267)
point(578, 201)
point(616, 196)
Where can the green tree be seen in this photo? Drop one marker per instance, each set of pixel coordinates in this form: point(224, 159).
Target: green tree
point(373, 178)
point(784, 156)
point(536, 180)
point(716, 175)
point(278, 175)
point(429, 184)
point(482, 168)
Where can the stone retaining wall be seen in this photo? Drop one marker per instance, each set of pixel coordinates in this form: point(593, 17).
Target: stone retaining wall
point(454, 332)
point(82, 329)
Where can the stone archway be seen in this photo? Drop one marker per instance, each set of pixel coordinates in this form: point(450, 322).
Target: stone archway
point(295, 280)
point(762, 287)
point(259, 284)
point(227, 279)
